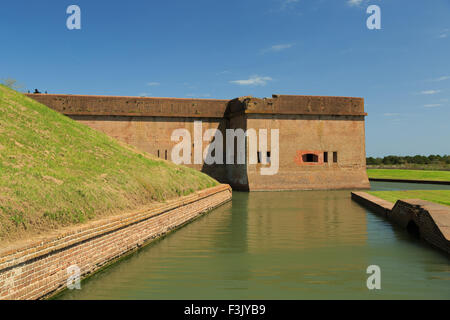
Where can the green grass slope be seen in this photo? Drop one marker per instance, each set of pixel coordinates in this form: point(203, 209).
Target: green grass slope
point(437, 196)
point(409, 174)
point(56, 172)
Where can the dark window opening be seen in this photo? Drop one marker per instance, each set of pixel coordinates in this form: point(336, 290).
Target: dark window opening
point(335, 157)
point(260, 157)
point(213, 152)
point(158, 154)
point(224, 156)
point(413, 229)
point(235, 150)
point(325, 157)
point(166, 154)
point(310, 157)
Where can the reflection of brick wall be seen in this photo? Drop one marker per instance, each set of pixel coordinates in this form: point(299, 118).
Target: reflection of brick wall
point(36, 270)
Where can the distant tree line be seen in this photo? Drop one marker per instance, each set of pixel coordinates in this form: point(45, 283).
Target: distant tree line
point(402, 160)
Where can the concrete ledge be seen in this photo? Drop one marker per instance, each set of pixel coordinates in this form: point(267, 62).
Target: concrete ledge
point(412, 181)
point(39, 268)
point(430, 220)
point(377, 205)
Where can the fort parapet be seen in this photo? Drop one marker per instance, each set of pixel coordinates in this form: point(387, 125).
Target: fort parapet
point(321, 139)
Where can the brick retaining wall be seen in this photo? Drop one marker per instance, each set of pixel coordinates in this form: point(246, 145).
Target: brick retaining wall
point(373, 203)
point(432, 219)
point(36, 270)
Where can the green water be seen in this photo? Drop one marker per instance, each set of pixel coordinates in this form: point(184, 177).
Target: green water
point(279, 245)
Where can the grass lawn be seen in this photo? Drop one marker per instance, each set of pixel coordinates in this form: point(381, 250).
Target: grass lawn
point(438, 196)
point(56, 172)
point(409, 174)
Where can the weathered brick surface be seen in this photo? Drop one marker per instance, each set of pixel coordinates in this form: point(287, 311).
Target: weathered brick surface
point(299, 134)
point(153, 135)
point(294, 104)
point(38, 269)
point(133, 106)
point(209, 108)
point(320, 124)
point(432, 219)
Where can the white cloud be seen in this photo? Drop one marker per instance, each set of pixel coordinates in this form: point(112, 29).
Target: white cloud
point(253, 81)
point(287, 3)
point(430, 91)
point(278, 48)
point(143, 95)
point(354, 3)
point(346, 51)
point(443, 34)
point(189, 86)
point(443, 78)
point(432, 105)
point(153, 84)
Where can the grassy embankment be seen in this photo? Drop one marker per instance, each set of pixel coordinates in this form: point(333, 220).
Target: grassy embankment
point(437, 196)
point(409, 174)
point(56, 172)
point(413, 166)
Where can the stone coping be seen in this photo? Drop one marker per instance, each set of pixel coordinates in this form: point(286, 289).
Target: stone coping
point(91, 105)
point(380, 206)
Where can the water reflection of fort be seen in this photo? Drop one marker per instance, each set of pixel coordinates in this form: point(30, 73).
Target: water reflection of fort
point(309, 219)
point(272, 245)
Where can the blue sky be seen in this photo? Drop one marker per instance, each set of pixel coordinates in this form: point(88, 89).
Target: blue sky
point(225, 49)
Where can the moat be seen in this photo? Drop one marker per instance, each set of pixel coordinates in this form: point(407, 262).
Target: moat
point(280, 245)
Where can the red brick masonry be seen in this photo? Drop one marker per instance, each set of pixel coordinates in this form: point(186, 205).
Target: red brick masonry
point(37, 270)
point(327, 125)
